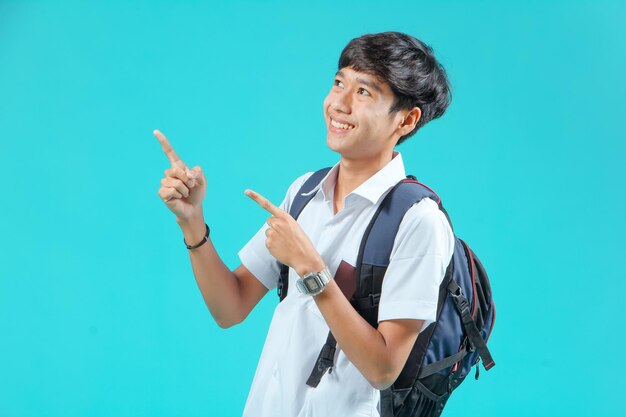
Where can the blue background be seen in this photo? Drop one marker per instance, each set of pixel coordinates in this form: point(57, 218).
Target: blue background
point(100, 314)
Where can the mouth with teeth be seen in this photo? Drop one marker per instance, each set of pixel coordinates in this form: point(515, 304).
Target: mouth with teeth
point(338, 127)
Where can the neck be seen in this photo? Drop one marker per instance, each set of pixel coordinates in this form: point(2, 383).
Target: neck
point(354, 172)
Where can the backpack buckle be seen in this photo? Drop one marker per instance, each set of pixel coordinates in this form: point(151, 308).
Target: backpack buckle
point(460, 301)
point(326, 359)
point(324, 364)
point(374, 299)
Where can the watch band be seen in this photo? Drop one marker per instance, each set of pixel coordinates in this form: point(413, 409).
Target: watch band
point(314, 282)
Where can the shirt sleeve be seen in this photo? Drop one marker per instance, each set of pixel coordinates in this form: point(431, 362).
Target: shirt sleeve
point(255, 256)
point(420, 256)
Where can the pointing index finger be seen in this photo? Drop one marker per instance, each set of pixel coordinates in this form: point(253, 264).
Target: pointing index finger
point(264, 203)
point(169, 151)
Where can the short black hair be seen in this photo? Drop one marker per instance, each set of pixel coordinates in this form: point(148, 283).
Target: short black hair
point(409, 66)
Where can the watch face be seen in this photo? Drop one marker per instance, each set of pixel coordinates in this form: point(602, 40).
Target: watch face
point(311, 284)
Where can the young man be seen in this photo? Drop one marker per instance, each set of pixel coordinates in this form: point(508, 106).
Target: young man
point(387, 86)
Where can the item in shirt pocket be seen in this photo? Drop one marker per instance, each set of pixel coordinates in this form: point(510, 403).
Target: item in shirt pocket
point(345, 277)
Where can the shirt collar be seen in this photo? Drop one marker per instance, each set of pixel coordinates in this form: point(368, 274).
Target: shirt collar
point(373, 188)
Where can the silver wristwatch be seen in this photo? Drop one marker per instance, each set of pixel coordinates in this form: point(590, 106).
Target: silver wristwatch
point(314, 282)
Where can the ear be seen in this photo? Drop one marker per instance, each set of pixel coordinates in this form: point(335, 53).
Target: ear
point(408, 122)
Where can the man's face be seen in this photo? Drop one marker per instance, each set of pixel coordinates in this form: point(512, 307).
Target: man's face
point(356, 112)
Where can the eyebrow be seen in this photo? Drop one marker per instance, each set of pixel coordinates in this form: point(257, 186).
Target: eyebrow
point(362, 81)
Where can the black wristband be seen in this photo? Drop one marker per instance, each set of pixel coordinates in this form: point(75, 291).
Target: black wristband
point(206, 237)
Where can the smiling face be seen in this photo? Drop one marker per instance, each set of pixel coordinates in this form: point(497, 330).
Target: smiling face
point(356, 112)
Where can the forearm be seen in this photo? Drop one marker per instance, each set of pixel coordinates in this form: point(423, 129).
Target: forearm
point(218, 284)
point(364, 346)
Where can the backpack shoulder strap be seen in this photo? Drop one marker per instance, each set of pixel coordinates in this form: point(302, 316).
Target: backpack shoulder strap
point(300, 200)
point(385, 225)
point(377, 242)
point(374, 257)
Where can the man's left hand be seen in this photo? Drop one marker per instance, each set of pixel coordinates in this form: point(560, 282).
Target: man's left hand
point(286, 240)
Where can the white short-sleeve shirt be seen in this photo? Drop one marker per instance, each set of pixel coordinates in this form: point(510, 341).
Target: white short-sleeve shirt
point(422, 250)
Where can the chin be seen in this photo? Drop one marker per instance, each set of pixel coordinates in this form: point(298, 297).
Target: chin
point(336, 146)
point(332, 143)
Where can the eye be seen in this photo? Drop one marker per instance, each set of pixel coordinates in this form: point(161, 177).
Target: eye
point(363, 91)
point(338, 83)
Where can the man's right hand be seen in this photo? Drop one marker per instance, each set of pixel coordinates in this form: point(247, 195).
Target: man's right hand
point(182, 189)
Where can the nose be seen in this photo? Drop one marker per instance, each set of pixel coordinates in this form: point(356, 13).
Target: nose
point(342, 102)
